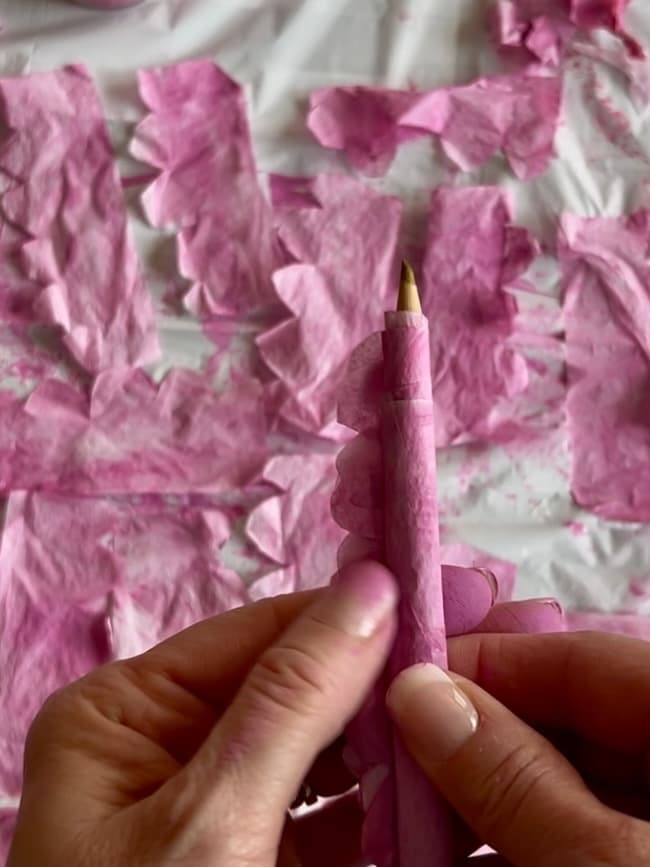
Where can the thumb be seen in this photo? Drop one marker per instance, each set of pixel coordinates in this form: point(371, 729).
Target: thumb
point(510, 785)
point(296, 700)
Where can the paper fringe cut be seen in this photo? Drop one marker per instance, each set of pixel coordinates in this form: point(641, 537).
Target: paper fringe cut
point(129, 435)
point(606, 275)
point(515, 114)
point(68, 257)
point(197, 137)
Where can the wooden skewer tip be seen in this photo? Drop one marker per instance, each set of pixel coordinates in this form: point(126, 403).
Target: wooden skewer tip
point(409, 297)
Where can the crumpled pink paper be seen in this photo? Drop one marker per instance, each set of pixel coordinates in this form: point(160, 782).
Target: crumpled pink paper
point(83, 580)
point(546, 28)
point(473, 251)
point(197, 136)
point(68, 257)
point(293, 528)
point(606, 277)
point(129, 434)
point(341, 238)
point(515, 114)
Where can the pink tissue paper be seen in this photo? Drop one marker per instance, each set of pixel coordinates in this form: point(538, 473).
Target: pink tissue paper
point(606, 277)
point(341, 238)
point(129, 434)
point(293, 529)
point(68, 257)
point(473, 252)
point(545, 29)
point(515, 114)
point(196, 136)
point(86, 580)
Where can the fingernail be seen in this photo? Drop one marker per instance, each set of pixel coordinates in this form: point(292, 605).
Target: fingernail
point(431, 711)
point(360, 599)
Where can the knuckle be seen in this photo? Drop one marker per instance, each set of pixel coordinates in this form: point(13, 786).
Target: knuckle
point(291, 678)
point(505, 792)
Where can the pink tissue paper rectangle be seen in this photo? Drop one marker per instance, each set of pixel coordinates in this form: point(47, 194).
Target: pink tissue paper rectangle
point(86, 580)
point(68, 257)
point(606, 276)
point(196, 136)
point(473, 251)
point(341, 239)
point(513, 114)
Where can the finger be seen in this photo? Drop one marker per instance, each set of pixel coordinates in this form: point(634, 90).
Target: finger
point(529, 616)
point(558, 681)
point(210, 658)
point(511, 786)
point(296, 700)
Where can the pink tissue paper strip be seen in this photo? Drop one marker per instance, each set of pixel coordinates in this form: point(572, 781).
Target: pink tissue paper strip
point(196, 135)
point(515, 114)
point(68, 257)
point(473, 251)
point(293, 529)
point(83, 580)
point(341, 238)
point(129, 434)
point(606, 277)
point(545, 29)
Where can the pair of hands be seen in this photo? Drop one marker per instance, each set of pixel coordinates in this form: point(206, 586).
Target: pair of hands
point(192, 753)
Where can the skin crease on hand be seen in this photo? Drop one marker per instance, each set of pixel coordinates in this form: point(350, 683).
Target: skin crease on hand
point(192, 753)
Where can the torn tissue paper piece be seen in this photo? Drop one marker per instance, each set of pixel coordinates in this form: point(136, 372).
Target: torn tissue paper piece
point(293, 529)
point(545, 29)
point(197, 137)
point(131, 435)
point(515, 114)
point(473, 252)
point(69, 260)
point(341, 237)
point(83, 580)
point(606, 280)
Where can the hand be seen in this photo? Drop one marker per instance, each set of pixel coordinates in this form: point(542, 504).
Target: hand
point(192, 753)
point(576, 798)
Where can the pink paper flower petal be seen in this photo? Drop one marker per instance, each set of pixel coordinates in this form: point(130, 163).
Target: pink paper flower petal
point(62, 197)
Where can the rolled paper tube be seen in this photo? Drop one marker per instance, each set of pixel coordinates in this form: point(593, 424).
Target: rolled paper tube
point(529, 615)
point(412, 552)
point(631, 625)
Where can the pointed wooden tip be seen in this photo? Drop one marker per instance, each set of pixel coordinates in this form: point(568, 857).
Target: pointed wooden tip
point(409, 297)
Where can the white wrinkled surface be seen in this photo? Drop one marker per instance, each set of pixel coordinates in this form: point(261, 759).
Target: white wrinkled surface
point(513, 503)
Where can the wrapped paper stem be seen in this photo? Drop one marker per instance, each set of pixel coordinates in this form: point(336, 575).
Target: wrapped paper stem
point(412, 552)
